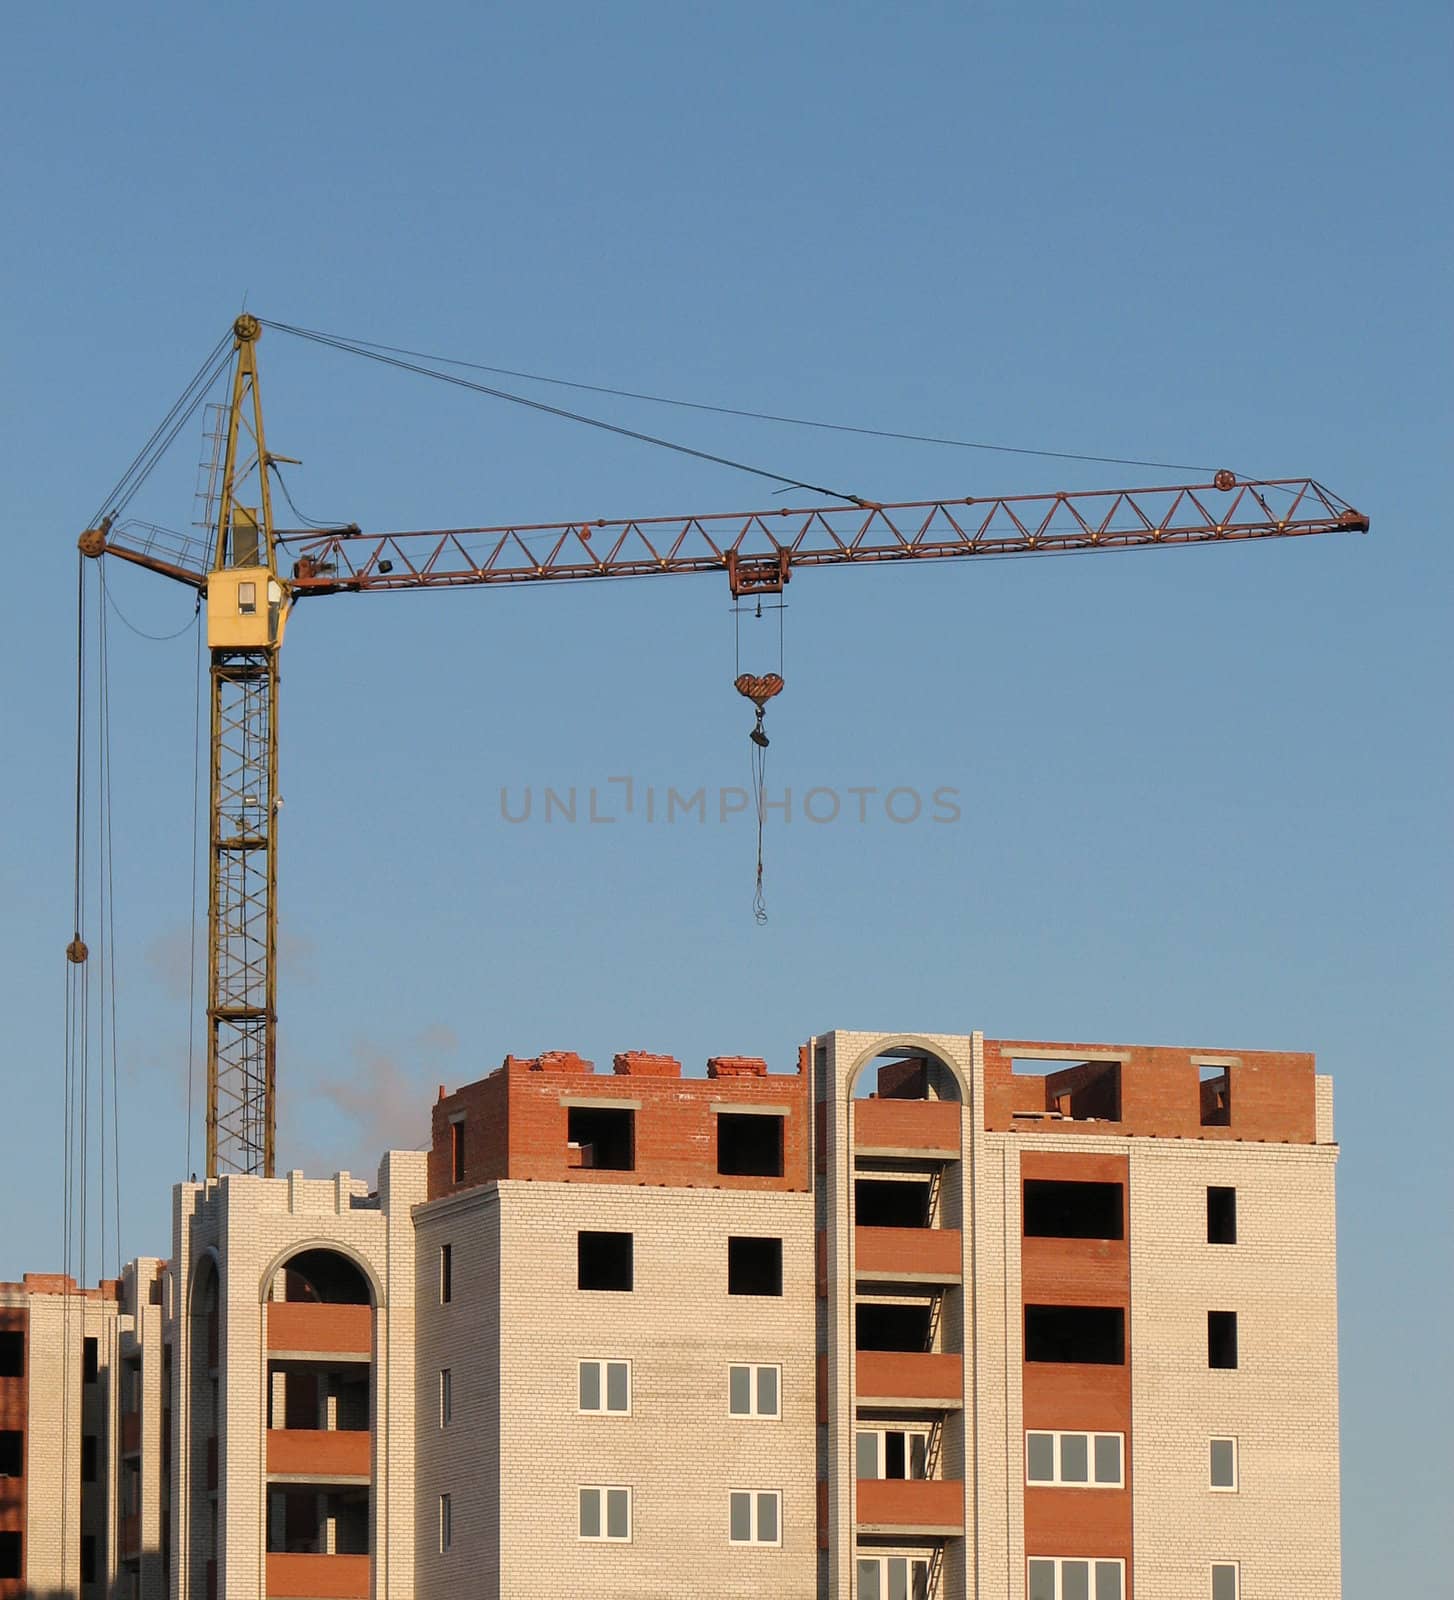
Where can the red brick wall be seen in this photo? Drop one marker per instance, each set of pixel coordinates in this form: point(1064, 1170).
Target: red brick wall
point(516, 1125)
point(1272, 1095)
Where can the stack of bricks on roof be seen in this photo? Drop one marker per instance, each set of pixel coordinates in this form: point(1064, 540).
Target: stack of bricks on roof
point(927, 1317)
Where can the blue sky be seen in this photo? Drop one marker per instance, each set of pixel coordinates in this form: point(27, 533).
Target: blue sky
point(1205, 793)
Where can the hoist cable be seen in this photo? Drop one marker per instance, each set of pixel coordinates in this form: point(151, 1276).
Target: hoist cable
point(770, 416)
point(192, 919)
point(310, 522)
point(555, 411)
point(141, 633)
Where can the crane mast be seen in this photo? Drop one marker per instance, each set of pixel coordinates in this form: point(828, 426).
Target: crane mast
point(247, 606)
point(248, 601)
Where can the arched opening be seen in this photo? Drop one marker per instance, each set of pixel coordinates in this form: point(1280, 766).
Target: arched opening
point(906, 1072)
point(321, 1277)
point(319, 1306)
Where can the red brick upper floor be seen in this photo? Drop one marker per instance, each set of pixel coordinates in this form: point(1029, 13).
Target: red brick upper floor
point(1253, 1095)
point(554, 1118)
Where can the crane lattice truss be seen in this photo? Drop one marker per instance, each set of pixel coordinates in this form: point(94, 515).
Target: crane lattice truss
point(252, 575)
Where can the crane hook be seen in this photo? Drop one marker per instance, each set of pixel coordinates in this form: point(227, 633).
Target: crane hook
point(759, 690)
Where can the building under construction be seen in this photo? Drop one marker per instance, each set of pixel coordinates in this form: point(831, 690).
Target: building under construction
point(927, 1316)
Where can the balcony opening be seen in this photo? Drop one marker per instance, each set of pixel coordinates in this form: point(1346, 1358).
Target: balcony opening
point(317, 1522)
point(891, 1453)
point(755, 1266)
point(325, 1277)
point(1215, 1088)
point(894, 1577)
point(606, 1139)
point(1056, 1209)
point(1082, 1091)
point(906, 1075)
point(12, 1353)
point(890, 1203)
point(1083, 1335)
point(749, 1146)
point(1221, 1215)
point(9, 1555)
point(1222, 1339)
point(604, 1261)
point(881, 1326)
point(12, 1453)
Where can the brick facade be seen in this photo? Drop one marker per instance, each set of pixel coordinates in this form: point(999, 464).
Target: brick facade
point(995, 1257)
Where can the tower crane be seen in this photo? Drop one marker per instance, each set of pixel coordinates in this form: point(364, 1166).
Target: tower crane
point(252, 575)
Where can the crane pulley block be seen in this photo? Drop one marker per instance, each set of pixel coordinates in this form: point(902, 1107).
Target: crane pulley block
point(757, 574)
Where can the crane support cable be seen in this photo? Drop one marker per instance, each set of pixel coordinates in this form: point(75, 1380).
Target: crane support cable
point(771, 416)
point(165, 432)
point(353, 348)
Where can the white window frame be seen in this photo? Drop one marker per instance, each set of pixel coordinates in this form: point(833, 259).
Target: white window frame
point(1225, 1488)
point(600, 1490)
point(883, 1563)
point(1236, 1570)
point(1060, 1563)
point(446, 1523)
point(882, 1451)
point(446, 1396)
point(752, 1500)
point(753, 1382)
point(1059, 1482)
point(601, 1363)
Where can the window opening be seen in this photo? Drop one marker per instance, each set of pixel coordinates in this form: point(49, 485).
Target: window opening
point(1056, 1209)
point(1226, 1580)
point(1070, 1578)
point(446, 1397)
point(446, 1523)
point(890, 1203)
point(12, 1454)
point(605, 1513)
point(1080, 1091)
point(892, 1453)
point(1215, 1089)
point(749, 1146)
point(9, 1555)
point(754, 1391)
point(604, 1386)
point(755, 1516)
point(880, 1326)
point(604, 1261)
point(606, 1138)
point(1087, 1460)
point(90, 1367)
point(1223, 1464)
point(456, 1150)
point(1089, 1335)
point(893, 1578)
point(1222, 1339)
point(754, 1266)
point(12, 1354)
point(1221, 1215)
point(446, 1274)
